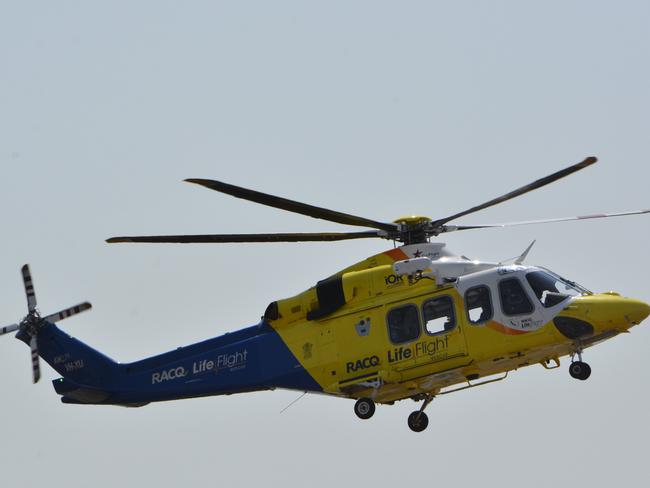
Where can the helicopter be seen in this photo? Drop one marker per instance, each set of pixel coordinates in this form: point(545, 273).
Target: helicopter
point(414, 322)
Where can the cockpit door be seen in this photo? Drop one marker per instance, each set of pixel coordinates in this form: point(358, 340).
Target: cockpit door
point(519, 310)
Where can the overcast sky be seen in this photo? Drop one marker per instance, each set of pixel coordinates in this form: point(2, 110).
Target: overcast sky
point(370, 107)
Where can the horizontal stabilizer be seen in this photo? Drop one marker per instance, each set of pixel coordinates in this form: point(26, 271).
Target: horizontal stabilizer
point(74, 393)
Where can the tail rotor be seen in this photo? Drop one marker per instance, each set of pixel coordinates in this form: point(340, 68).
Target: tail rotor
point(29, 327)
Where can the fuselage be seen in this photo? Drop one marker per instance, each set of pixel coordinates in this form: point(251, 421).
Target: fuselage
point(368, 331)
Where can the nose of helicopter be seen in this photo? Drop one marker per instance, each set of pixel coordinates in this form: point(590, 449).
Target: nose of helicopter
point(620, 312)
point(607, 311)
point(635, 311)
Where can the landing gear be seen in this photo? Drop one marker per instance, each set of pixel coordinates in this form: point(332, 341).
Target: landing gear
point(579, 369)
point(418, 420)
point(364, 408)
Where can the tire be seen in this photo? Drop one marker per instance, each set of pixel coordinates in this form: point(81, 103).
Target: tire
point(364, 408)
point(579, 370)
point(418, 421)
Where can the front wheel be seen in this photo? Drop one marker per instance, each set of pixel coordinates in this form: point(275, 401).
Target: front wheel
point(364, 408)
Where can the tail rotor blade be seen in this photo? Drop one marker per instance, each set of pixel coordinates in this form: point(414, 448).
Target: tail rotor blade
point(9, 328)
point(36, 367)
point(29, 288)
point(68, 312)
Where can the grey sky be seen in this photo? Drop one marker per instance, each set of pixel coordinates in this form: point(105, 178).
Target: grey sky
point(374, 108)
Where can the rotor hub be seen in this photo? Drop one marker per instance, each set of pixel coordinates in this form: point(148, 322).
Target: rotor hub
point(31, 323)
point(412, 220)
point(413, 229)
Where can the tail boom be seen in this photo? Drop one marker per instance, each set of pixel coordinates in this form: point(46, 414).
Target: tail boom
point(252, 359)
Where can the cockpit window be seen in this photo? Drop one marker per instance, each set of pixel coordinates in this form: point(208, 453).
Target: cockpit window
point(549, 289)
point(514, 300)
point(478, 304)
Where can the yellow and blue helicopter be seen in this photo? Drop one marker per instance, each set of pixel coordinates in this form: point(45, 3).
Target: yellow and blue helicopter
point(415, 322)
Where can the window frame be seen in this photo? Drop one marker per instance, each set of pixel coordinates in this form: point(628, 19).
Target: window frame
point(453, 315)
point(469, 319)
point(556, 278)
point(388, 328)
point(526, 295)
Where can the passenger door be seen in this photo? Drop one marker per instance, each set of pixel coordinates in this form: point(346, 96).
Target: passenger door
point(426, 336)
point(443, 341)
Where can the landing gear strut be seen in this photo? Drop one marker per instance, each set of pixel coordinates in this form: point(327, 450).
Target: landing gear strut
point(418, 420)
point(579, 369)
point(364, 408)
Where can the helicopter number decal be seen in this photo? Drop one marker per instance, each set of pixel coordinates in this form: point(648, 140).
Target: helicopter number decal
point(74, 365)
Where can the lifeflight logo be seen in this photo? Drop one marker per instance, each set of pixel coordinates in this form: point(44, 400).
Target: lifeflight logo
point(433, 347)
point(235, 360)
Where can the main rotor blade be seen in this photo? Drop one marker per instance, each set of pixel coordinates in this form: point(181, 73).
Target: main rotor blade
point(520, 191)
point(8, 329)
point(68, 312)
point(223, 238)
point(292, 206)
point(451, 228)
point(29, 288)
point(36, 367)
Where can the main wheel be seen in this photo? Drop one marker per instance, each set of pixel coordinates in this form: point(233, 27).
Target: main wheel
point(364, 408)
point(580, 370)
point(418, 421)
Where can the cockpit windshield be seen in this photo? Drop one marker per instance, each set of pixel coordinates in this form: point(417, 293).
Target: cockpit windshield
point(552, 289)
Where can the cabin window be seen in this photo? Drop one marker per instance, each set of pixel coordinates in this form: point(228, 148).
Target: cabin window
point(514, 300)
point(478, 304)
point(403, 324)
point(438, 315)
point(549, 289)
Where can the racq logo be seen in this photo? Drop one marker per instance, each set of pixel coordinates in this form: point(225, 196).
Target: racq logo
point(360, 364)
point(169, 374)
